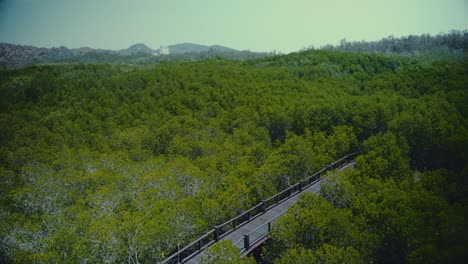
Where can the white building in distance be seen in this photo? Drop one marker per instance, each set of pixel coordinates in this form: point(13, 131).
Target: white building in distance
point(163, 50)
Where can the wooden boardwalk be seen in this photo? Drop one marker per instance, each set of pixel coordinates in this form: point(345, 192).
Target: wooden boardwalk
point(257, 228)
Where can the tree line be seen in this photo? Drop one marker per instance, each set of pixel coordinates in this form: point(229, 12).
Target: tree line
point(452, 45)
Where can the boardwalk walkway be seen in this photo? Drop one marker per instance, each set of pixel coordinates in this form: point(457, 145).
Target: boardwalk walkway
point(260, 234)
point(251, 228)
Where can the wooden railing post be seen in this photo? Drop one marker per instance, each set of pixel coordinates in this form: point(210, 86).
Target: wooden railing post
point(264, 205)
point(300, 186)
point(216, 233)
point(246, 242)
point(178, 255)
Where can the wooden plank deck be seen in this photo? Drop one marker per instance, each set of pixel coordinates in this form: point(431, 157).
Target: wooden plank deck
point(270, 214)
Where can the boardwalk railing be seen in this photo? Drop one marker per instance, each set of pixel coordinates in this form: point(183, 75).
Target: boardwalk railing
point(256, 235)
point(222, 230)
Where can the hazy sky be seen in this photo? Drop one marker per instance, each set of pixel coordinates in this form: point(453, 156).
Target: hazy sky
point(259, 25)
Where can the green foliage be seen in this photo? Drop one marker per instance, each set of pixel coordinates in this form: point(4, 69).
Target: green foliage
point(384, 156)
point(379, 212)
point(301, 256)
point(334, 255)
point(224, 252)
point(325, 254)
point(119, 163)
point(311, 223)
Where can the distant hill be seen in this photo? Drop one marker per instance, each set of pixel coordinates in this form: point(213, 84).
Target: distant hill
point(138, 48)
point(186, 47)
point(222, 48)
point(10, 53)
point(183, 48)
point(13, 56)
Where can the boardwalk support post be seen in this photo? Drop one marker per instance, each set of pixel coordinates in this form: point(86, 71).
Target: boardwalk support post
point(216, 233)
point(246, 242)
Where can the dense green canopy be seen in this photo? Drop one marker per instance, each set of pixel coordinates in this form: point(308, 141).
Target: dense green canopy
point(113, 164)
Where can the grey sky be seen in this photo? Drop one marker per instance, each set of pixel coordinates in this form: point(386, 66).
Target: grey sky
point(259, 25)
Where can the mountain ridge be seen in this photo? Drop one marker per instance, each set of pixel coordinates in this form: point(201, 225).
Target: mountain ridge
point(15, 55)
